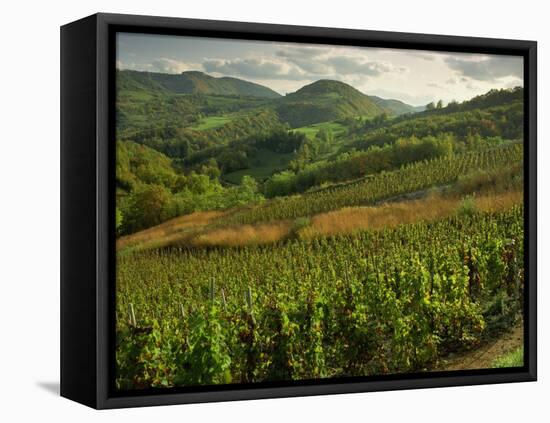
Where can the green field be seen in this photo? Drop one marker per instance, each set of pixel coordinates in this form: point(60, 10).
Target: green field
point(311, 130)
point(211, 122)
point(262, 166)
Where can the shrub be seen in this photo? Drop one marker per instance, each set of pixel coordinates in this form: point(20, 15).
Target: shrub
point(467, 207)
point(298, 225)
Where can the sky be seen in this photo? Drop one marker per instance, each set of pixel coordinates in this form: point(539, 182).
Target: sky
point(414, 76)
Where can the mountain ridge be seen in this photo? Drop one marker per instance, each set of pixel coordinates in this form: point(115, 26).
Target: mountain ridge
point(196, 82)
point(193, 82)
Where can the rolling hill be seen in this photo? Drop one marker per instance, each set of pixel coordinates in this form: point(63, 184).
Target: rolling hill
point(325, 100)
point(192, 82)
point(395, 107)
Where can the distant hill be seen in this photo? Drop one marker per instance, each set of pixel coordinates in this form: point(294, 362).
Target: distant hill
point(504, 97)
point(325, 100)
point(396, 107)
point(192, 82)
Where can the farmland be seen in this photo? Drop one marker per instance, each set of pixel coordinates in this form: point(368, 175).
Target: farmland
point(319, 234)
point(369, 303)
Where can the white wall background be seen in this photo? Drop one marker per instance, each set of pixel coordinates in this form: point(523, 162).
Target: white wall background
point(29, 209)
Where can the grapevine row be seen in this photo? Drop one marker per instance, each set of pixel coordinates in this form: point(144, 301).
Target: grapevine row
point(375, 302)
point(414, 177)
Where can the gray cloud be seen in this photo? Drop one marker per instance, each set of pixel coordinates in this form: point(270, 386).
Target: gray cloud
point(313, 64)
point(347, 65)
point(166, 65)
point(430, 57)
point(315, 67)
point(301, 52)
point(252, 68)
point(488, 69)
point(322, 62)
point(455, 81)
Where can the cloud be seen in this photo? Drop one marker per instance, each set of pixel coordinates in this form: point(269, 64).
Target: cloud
point(455, 81)
point(313, 62)
point(253, 68)
point(302, 52)
point(166, 65)
point(346, 65)
point(424, 55)
point(120, 64)
point(162, 65)
point(487, 68)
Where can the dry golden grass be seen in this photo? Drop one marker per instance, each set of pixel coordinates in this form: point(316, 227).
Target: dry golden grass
point(244, 235)
point(393, 214)
point(169, 231)
point(384, 216)
point(498, 202)
point(191, 230)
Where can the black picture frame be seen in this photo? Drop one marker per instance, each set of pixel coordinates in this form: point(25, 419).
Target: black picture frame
point(87, 208)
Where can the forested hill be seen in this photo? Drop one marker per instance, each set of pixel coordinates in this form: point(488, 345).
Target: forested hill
point(205, 152)
point(191, 82)
point(325, 100)
point(492, 98)
point(395, 107)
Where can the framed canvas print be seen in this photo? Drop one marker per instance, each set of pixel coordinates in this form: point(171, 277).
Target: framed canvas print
point(255, 211)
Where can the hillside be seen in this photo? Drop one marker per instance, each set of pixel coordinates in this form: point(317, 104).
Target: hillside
point(395, 107)
point(323, 101)
point(192, 82)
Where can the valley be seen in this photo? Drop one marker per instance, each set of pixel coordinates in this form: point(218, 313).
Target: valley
point(322, 233)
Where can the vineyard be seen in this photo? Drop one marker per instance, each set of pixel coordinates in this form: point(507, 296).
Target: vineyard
point(375, 302)
point(410, 178)
point(324, 233)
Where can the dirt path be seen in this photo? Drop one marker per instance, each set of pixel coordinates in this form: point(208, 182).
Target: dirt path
point(483, 357)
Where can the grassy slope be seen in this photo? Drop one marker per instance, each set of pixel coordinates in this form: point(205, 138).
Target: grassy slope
point(211, 122)
point(262, 166)
point(311, 130)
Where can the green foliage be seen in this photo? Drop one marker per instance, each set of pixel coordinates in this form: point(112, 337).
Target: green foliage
point(324, 101)
point(372, 303)
point(211, 122)
point(151, 190)
point(333, 129)
point(299, 224)
point(512, 359)
point(205, 358)
point(191, 82)
point(145, 359)
point(410, 178)
point(137, 164)
point(467, 207)
point(394, 107)
point(147, 206)
point(261, 165)
point(496, 180)
point(498, 114)
point(356, 164)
